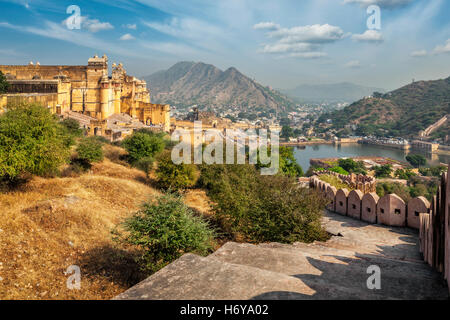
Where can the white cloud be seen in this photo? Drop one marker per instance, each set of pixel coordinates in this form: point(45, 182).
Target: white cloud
point(308, 55)
point(131, 26)
point(443, 48)
point(390, 4)
point(300, 41)
point(266, 26)
point(188, 28)
point(420, 53)
point(77, 37)
point(369, 36)
point(353, 64)
point(92, 25)
point(313, 33)
point(126, 37)
point(288, 47)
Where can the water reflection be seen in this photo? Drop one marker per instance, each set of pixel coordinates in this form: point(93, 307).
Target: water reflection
point(303, 154)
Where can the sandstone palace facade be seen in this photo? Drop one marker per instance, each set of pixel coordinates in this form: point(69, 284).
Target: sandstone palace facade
point(88, 92)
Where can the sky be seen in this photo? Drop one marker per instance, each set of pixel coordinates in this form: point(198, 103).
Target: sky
point(281, 43)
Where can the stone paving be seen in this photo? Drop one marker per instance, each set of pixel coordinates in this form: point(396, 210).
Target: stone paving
point(336, 269)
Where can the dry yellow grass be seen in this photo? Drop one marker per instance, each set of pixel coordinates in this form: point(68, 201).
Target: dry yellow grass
point(50, 224)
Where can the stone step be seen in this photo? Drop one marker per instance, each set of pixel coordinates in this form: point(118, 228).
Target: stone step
point(400, 251)
point(196, 278)
point(399, 279)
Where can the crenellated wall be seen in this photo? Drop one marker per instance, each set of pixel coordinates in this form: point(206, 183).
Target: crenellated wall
point(432, 219)
point(363, 183)
point(434, 228)
point(389, 210)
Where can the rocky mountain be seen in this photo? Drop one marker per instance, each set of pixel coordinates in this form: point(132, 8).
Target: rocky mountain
point(331, 93)
point(402, 112)
point(188, 83)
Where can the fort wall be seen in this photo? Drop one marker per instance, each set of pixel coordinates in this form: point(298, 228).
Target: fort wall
point(431, 219)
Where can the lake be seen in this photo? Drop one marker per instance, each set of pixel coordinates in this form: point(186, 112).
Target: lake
point(354, 150)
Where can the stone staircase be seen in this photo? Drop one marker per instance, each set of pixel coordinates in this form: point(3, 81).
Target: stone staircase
point(336, 269)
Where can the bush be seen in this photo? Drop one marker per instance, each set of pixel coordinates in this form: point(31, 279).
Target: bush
point(394, 187)
point(257, 208)
point(89, 150)
point(166, 230)
point(31, 141)
point(4, 85)
point(405, 174)
point(352, 166)
point(143, 145)
point(383, 171)
point(339, 170)
point(416, 160)
point(175, 176)
point(288, 164)
point(72, 126)
point(436, 171)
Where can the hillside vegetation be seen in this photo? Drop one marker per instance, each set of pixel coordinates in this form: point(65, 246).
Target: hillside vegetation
point(402, 112)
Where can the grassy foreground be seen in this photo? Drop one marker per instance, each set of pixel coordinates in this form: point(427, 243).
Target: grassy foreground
point(50, 224)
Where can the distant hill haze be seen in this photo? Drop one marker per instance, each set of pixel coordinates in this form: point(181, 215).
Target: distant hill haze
point(331, 93)
point(402, 112)
point(189, 83)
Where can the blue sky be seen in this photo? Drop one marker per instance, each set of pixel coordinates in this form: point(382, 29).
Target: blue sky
point(280, 43)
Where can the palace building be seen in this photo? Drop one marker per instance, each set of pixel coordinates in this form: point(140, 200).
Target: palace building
point(88, 92)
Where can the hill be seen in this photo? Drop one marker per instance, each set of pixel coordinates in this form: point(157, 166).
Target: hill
point(331, 93)
point(50, 224)
point(402, 112)
point(189, 83)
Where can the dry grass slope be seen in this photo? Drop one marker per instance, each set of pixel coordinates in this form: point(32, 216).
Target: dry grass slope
point(50, 224)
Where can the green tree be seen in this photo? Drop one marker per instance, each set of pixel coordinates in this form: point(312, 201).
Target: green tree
point(288, 164)
point(143, 145)
point(416, 160)
point(164, 231)
point(175, 176)
point(352, 166)
point(72, 126)
point(90, 150)
point(31, 141)
point(286, 132)
point(383, 171)
point(405, 174)
point(4, 85)
point(257, 208)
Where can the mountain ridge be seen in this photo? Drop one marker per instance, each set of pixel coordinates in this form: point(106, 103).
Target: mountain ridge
point(189, 83)
point(401, 112)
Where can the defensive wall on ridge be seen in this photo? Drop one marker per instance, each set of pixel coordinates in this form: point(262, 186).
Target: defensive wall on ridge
point(431, 219)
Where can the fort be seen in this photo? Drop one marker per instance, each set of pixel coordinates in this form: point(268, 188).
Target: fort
point(86, 92)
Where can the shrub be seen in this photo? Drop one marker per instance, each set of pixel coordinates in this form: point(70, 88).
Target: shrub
point(175, 176)
point(164, 231)
point(142, 145)
point(394, 187)
point(90, 150)
point(288, 164)
point(405, 174)
point(436, 171)
point(339, 170)
point(31, 141)
point(258, 208)
point(72, 126)
point(352, 166)
point(416, 160)
point(383, 171)
point(4, 85)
